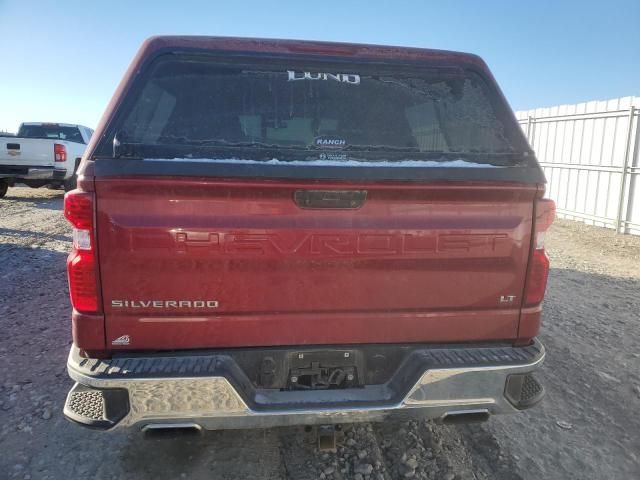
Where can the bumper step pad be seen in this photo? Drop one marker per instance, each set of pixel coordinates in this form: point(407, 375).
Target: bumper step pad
point(523, 391)
point(95, 407)
point(201, 364)
point(87, 404)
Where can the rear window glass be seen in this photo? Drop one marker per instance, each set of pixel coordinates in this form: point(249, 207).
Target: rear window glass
point(70, 134)
point(306, 113)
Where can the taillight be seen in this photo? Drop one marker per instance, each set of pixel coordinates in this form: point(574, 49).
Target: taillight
point(78, 209)
point(59, 152)
point(81, 264)
point(82, 281)
point(538, 273)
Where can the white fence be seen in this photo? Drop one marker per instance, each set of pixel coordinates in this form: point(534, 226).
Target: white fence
point(590, 155)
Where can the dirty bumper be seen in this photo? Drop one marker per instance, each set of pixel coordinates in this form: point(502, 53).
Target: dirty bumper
point(211, 391)
point(32, 173)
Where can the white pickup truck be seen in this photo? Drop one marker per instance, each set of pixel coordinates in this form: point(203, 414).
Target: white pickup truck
point(42, 154)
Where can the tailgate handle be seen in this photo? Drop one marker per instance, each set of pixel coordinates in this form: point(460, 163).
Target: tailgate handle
point(338, 199)
point(13, 146)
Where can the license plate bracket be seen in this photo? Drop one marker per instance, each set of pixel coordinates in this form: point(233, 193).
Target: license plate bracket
point(323, 370)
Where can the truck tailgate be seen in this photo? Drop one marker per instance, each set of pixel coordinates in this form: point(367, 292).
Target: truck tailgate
point(34, 152)
point(203, 262)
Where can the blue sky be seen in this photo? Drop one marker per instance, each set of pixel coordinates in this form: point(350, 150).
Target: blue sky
point(61, 61)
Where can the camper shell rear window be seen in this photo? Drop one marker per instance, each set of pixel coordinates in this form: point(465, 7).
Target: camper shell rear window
point(265, 109)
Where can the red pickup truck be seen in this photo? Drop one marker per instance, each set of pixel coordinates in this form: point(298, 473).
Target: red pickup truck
point(272, 232)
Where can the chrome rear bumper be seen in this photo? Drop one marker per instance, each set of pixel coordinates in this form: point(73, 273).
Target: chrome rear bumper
point(203, 390)
point(32, 172)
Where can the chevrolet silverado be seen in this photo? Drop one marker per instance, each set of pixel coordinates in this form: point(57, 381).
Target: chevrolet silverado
point(275, 232)
point(42, 154)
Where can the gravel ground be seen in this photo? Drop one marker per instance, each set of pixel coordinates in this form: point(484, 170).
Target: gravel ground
point(587, 427)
